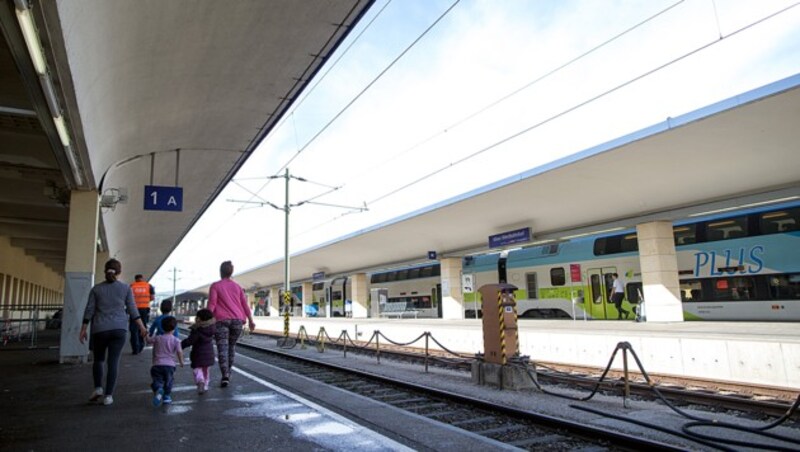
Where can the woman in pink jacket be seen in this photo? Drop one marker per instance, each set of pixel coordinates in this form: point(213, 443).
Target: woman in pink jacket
point(227, 301)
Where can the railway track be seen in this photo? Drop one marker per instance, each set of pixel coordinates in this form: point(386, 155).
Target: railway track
point(518, 428)
point(682, 392)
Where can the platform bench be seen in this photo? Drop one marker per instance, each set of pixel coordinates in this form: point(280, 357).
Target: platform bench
point(397, 309)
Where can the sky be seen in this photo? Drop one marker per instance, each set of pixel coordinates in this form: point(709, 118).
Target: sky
point(429, 99)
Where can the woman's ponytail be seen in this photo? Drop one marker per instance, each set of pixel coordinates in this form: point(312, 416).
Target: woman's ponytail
point(113, 268)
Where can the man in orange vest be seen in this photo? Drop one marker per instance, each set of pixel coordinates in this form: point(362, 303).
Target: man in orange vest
point(143, 295)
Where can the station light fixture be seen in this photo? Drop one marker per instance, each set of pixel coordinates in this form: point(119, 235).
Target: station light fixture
point(29, 33)
point(575, 236)
point(745, 206)
point(31, 37)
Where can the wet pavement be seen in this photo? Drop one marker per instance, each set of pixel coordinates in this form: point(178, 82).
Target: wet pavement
point(45, 406)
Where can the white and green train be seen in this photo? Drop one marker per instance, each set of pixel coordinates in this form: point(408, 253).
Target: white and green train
point(743, 266)
point(737, 266)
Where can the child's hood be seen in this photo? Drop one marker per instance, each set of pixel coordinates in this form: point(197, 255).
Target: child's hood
point(203, 324)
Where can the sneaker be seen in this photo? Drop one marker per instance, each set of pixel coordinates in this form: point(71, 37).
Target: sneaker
point(167, 400)
point(200, 387)
point(96, 395)
point(157, 397)
point(108, 400)
point(224, 383)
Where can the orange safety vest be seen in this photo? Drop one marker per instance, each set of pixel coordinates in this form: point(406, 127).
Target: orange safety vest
point(141, 294)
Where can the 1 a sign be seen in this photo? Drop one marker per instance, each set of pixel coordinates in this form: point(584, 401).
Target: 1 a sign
point(163, 198)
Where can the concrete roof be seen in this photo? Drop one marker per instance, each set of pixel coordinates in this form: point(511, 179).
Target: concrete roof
point(138, 80)
point(742, 150)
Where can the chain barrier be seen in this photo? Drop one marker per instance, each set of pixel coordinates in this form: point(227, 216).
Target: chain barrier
point(687, 430)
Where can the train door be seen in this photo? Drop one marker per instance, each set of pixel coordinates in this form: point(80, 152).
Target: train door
point(600, 283)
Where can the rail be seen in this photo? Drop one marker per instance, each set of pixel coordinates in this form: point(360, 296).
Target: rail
point(688, 430)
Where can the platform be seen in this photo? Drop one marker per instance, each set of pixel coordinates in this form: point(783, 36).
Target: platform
point(765, 354)
point(44, 407)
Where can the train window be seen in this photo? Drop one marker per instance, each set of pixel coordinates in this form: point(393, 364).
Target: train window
point(558, 276)
point(691, 291)
point(734, 289)
point(779, 221)
point(785, 287)
point(625, 243)
point(426, 272)
point(633, 291)
point(413, 273)
point(402, 275)
point(530, 283)
point(629, 243)
point(729, 228)
point(437, 270)
point(685, 234)
point(318, 286)
point(391, 276)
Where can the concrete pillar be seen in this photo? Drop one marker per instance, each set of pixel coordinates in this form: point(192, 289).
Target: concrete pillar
point(360, 288)
point(274, 301)
point(100, 262)
point(659, 265)
point(308, 296)
point(452, 297)
point(78, 272)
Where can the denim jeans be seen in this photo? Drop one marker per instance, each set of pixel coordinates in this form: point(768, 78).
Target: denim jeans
point(162, 378)
point(137, 343)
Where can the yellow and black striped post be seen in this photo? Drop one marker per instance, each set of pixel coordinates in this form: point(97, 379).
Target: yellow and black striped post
point(287, 303)
point(516, 322)
point(502, 327)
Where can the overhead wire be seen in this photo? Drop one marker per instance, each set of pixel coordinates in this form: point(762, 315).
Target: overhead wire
point(579, 105)
point(363, 90)
point(329, 67)
point(514, 92)
point(502, 99)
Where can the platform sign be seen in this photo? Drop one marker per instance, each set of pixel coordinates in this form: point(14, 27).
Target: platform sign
point(318, 276)
point(432, 255)
point(163, 198)
point(509, 238)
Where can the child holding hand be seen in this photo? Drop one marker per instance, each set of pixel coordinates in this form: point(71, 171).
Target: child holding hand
point(201, 335)
point(166, 348)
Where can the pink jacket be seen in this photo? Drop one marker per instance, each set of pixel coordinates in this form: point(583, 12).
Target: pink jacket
point(226, 300)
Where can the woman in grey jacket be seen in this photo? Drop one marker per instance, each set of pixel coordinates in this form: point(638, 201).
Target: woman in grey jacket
point(109, 309)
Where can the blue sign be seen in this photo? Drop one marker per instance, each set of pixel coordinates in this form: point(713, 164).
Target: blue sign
point(318, 276)
point(509, 238)
point(163, 198)
point(432, 255)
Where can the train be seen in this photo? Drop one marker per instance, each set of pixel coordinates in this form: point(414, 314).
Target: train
point(742, 265)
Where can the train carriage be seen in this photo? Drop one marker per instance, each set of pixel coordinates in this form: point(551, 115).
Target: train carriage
point(737, 267)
